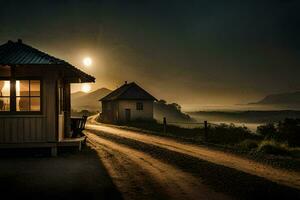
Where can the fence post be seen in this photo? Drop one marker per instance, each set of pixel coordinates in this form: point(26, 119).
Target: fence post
point(205, 130)
point(165, 125)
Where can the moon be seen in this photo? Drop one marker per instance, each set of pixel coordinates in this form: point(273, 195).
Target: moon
point(87, 61)
point(86, 88)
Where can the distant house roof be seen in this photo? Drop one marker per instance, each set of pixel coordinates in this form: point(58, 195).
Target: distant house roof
point(128, 91)
point(18, 53)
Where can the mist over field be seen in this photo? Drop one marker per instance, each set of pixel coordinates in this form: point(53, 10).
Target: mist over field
point(272, 108)
point(251, 115)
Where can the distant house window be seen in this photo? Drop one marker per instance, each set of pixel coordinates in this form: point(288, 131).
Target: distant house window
point(139, 106)
point(20, 95)
point(28, 95)
point(4, 95)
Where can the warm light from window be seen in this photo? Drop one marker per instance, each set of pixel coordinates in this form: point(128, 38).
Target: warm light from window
point(18, 88)
point(6, 88)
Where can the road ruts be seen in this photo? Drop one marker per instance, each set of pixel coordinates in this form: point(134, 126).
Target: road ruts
point(140, 176)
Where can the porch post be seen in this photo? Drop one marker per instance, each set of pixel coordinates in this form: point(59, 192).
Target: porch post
point(67, 108)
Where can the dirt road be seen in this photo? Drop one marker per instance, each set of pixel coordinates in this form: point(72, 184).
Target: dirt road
point(147, 167)
point(135, 171)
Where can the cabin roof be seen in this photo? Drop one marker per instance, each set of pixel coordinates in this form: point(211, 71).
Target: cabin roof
point(18, 53)
point(128, 91)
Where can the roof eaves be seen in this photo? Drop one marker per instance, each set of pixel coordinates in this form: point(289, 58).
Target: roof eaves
point(18, 53)
point(113, 96)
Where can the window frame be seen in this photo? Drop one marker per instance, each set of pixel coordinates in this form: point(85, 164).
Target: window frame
point(139, 103)
point(13, 96)
point(7, 79)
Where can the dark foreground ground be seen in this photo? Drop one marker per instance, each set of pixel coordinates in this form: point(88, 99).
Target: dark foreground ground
point(25, 174)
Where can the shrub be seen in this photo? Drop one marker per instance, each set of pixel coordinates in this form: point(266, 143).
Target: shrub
point(229, 134)
point(295, 152)
point(273, 147)
point(289, 130)
point(268, 131)
point(191, 134)
point(285, 131)
point(248, 144)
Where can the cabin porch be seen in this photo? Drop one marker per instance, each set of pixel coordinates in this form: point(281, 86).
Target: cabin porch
point(35, 98)
point(53, 146)
point(68, 126)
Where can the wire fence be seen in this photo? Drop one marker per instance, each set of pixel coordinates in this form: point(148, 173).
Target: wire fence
point(188, 124)
point(198, 124)
point(205, 125)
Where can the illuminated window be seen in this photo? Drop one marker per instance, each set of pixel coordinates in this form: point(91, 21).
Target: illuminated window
point(28, 95)
point(4, 95)
point(139, 106)
point(20, 95)
point(16, 95)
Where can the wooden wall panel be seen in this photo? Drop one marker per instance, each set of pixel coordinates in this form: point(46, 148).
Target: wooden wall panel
point(33, 128)
point(27, 131)
point(14, 130)
point(7, 131)
point(39, 129)
point(50, 111)
point(20, 130)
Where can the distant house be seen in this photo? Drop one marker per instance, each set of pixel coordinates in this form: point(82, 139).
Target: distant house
point(128, 102)
point(35, 97)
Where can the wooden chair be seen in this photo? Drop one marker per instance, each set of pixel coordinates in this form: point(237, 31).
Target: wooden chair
point(78, 125)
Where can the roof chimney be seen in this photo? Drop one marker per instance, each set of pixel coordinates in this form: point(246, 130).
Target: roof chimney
point(125, 82)
point(19, 41)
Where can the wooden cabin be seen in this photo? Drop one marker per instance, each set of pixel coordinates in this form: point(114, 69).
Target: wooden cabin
point(35, 97)
point(127, 103)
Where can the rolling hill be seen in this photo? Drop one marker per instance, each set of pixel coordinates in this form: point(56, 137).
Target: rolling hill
point(88, 101)
point(291, 99)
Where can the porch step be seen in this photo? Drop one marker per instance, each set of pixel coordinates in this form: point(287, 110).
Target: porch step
point(72, 142)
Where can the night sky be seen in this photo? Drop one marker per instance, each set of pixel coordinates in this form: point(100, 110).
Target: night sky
point(192, 52)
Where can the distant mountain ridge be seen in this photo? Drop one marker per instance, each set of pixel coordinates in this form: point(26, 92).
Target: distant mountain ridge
point(88, 101)
point(76, 95)
point(292, 98)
